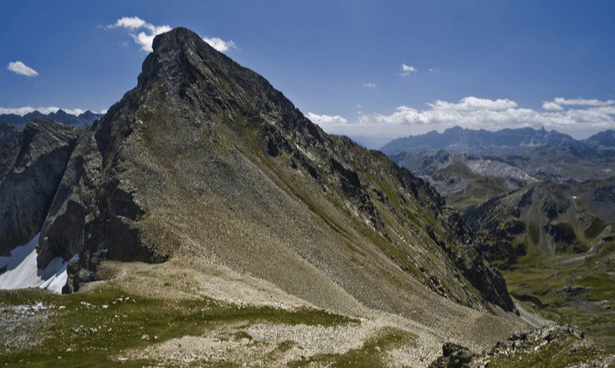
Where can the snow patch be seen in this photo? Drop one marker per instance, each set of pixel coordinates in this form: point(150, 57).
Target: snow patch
point(21, 271)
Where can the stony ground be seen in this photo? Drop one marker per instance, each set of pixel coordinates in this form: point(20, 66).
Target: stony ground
point(163, 304)
point(262, 344)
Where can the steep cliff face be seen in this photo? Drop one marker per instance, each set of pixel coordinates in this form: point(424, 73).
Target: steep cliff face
point(30, 171)
point(205, 159)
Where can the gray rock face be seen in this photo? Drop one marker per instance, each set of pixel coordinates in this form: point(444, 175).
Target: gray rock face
point(62, 232)
point(8, 133)
point(30, 171)
point(516, 178)
point(453, 356)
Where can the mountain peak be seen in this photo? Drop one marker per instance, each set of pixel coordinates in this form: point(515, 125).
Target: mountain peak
point(180, 56)
point(179, 36)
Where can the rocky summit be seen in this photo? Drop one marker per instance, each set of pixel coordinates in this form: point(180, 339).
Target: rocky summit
point(204, 181)
point(205, 158)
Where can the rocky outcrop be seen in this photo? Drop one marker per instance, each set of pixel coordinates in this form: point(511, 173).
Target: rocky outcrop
point(31, 170)
point(469, 258)
point(453, 356)
point(8, 133)
point(550, 345)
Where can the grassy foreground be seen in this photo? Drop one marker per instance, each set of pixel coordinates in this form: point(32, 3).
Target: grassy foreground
point(110, 325)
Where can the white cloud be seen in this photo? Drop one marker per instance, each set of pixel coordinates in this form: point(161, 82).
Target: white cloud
point(20, 68)
point(476, 113)
point(548, 105)
point(144, 38)
point(580, 101)
point(132, 23)
point(407, 70)
point(359, 106)
point(219, 44)
point(327, 120)
point(74, 111)
point(45, 110)
point(475, 103)
point(369, 85)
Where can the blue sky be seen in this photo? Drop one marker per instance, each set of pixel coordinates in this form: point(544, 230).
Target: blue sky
point(375, 69)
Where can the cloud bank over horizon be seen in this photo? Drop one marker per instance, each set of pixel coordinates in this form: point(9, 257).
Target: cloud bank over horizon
point(478, 113)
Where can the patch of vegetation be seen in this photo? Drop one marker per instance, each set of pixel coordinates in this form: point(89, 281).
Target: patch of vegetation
point(595, 228)
point(95, 327)
point(534, 234)
point(543, 283)
point(558, 354)
point(373, 353)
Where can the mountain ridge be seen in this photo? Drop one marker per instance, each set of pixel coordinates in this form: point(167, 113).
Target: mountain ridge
point(470, 140)
point(80, 121)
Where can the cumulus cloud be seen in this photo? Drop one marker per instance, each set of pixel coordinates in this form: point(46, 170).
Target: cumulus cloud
point(145, 38)
point(477, 113)
point(219, 44)
point(369, 85)
point(548, 105)
point(475, 103)
point(580, 101)
point(45, 110)
point(20, 68)
point(327, 120)
point(407, 70)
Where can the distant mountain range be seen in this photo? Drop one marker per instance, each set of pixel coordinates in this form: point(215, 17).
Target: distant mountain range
point(79, 121)
point(470, 140)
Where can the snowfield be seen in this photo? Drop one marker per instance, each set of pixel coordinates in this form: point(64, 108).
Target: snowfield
point(20, 270)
